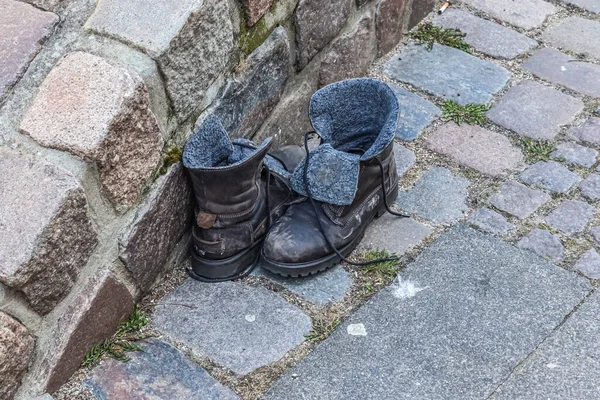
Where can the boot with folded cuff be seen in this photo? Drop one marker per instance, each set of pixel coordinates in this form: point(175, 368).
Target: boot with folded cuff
point(347, 181)
point(240, 190)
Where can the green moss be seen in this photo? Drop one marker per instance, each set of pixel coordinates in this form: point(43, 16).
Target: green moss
point(251, 38)
point(172, 156)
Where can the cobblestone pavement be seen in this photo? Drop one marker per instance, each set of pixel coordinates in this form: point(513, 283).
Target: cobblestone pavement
point(496, 294)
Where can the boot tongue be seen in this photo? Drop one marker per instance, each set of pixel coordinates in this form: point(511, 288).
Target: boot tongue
point(332, 175)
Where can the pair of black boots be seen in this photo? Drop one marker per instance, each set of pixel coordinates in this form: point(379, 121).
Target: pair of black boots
point(295, 212)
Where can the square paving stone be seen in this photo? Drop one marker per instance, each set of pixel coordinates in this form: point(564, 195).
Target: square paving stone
point(576, 34)
point(394, 234)
point(518, 200)
point(437, 196)
point(557, 67)
point(448, 73)
point(159, 372)
point(571, 216)
point(590, 187)
point(590, 5)
point(595, 232)
point(453, 325)
point(404, 158)
point(486, 36)
point(416, 114)
point(23, 28)
point(534, 110)
point(490, 221)
point(550, 175)
point(575, 154)
point(237, 326)
point(544, 244)
point(526, 14)
point(588, 132)
point(322, 288)
point(589, 264)
point(566, 365)
point(488, 152)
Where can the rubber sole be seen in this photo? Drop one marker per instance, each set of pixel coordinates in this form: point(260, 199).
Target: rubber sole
point(296, 270)
point(228, 269)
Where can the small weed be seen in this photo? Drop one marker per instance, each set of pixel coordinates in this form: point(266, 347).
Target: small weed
point(429, 34)
point(173, 156)
point(121, 343)
point(537, 150)
point(388, 269)
point(472, 114)
point(547, 227)
point(323, 328)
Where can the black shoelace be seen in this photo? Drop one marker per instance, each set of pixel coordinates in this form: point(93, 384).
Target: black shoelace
point(314, 206)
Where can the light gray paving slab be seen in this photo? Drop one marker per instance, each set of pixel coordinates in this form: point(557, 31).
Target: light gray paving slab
point(588, 132)
point(453, 326)
point(589, 264)
point(595, 232)
point(557, 67)
point(576, 34)
point(534, 110)
point(526, 14)
point(490, 221)
point(486, 151)
point(394, 234)
point(328, 286)
point(518, 200)
point(575, 154)
point(590, 5)
point(416, 114)
point(486, 36)
point(405, 158)
point(566, 365)
point(572, 216)
point(437, 196)
point(543, 243)
point(238, 326)
point(159, 372)
point(448, 73)
point(590, 187)
point(550, 175)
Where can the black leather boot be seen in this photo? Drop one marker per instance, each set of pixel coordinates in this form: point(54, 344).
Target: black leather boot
point(239, 191)
point(347, 181)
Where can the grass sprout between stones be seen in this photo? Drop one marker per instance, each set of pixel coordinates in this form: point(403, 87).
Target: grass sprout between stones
point(471, 114)
point(323, 327)
point(537, 150)
point(121, 343)
point(428, 34)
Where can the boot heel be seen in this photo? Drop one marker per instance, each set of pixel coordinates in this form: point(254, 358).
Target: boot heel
point(236, 267)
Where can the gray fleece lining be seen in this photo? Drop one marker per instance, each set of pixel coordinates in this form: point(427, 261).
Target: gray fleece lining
point(211, 148)
point(351, 116)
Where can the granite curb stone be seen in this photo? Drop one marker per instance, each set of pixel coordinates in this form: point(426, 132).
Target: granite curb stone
point(16, 347)
point(46, 234)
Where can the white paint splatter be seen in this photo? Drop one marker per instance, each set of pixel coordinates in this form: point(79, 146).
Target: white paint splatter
point(250, 318)
point(552, 365)
point(563, 68)
point(406, 289)
point(357, 330)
